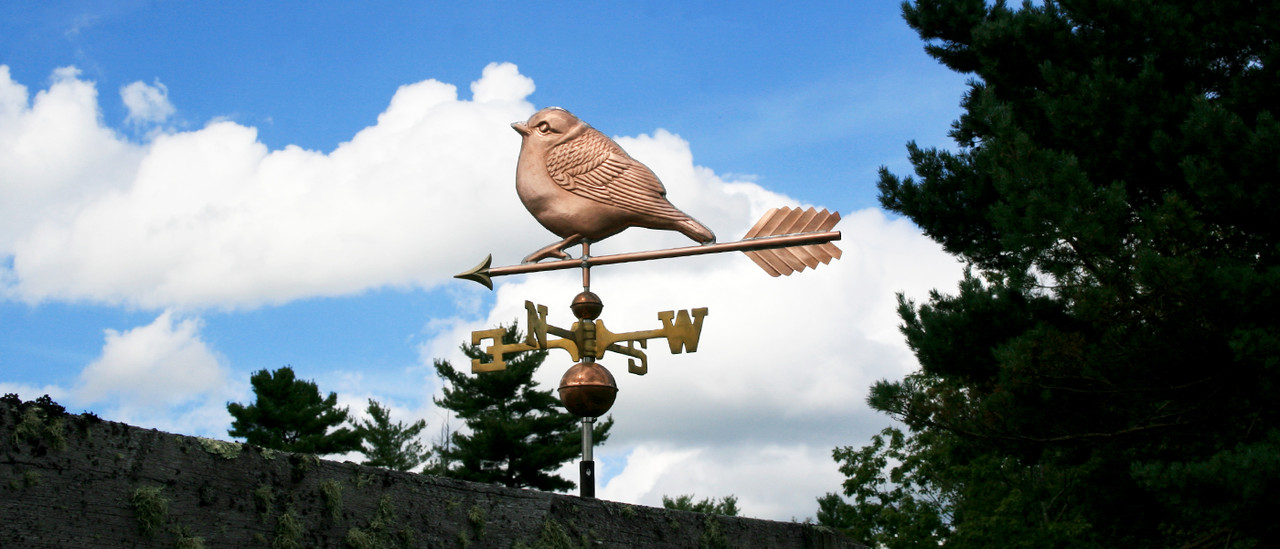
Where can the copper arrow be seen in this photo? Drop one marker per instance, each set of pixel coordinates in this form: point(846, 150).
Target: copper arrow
point(777, 254)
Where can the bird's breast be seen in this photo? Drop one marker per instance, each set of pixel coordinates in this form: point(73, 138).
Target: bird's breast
point(533, 181)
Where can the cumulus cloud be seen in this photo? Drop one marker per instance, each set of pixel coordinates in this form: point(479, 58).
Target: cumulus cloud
point(770, 480)
point(147, 104)
point(55, 156)
point(161, 375)
point(164, 361)
point(501, 82)
point(147, 373)
point(212, 218)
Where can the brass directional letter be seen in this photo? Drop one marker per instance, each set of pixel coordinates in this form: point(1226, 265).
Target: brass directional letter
point(537, 320)
point(494, 351)
point(684, 333)
point(643, 367)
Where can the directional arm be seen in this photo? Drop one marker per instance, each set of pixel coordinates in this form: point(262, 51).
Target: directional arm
point(681, 329)
point(495, 351)
point(681, 333)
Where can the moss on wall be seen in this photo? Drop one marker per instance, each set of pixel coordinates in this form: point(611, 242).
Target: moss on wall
point(79, 482)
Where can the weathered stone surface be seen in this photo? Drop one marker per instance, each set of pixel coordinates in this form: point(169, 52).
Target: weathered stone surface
point(75, 481)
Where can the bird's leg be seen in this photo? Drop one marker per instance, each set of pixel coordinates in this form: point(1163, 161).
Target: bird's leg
point(555, 250)
point(586, 265)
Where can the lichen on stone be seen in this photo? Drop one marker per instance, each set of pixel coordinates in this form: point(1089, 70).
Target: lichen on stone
point(220, 448)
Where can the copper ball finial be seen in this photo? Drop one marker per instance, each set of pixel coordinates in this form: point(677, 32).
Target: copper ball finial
point(586, 306)
point(588, 390)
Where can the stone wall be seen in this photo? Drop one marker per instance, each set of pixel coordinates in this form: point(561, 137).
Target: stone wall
point(72, 481)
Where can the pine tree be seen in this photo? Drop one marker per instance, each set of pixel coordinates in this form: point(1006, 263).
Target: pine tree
point(290, 415)
point(1106, 375)
point(394, 446)
point(518, 435)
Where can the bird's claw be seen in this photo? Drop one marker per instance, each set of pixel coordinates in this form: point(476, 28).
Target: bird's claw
point(544, 254)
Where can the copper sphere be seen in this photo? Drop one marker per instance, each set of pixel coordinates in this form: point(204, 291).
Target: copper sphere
point(588, 390)
point(586, 306)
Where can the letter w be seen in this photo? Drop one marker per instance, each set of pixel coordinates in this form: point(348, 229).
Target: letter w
point(684, 333)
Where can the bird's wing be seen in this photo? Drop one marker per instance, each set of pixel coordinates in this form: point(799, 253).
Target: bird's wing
point(594, 167)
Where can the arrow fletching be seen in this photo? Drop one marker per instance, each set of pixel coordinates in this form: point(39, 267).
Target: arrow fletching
point(781, 221)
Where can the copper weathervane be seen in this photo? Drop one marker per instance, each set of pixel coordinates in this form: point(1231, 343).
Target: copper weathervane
point(583, 187)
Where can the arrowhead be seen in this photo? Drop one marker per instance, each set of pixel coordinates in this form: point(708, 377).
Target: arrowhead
point(480, 273)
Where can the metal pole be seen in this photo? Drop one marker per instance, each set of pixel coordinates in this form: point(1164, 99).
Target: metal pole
point(587, 469)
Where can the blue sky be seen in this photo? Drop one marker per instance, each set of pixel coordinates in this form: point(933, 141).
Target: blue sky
point(190, 192)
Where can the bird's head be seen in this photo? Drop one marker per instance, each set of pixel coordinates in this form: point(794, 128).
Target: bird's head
point(550, 126)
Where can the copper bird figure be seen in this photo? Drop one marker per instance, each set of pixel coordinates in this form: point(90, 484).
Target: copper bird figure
point(582, 186)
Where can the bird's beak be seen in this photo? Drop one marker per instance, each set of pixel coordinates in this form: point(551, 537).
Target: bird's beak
point(520, 128)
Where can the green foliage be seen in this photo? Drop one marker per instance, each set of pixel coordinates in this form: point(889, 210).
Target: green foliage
point(290, 415)
point(898, 498)
point(519, 435)
point(394, 446)
point(264, 500)
point(727, 506)
point(150, 508)
point(288, 532)
point(331, 491)
point(26, 480)
point(301, 464)
point(41, 422)
point(381, 532)
point(1108, 376)
point(184, 539)
point(712, 535)
point(553, 535)
point(476, 518)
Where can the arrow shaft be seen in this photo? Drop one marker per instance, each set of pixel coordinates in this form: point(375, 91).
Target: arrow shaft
point(745, 245)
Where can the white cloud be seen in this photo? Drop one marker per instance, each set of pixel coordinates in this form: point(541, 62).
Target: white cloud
point(161, 375)
point(212, 218)
point(55, 156)
point(778, 482)
point(164, 361)
point(501, 82)
point(146, 104)
point(32, 392)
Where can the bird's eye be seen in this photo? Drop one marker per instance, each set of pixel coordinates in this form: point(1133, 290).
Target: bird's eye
point(543, 127)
